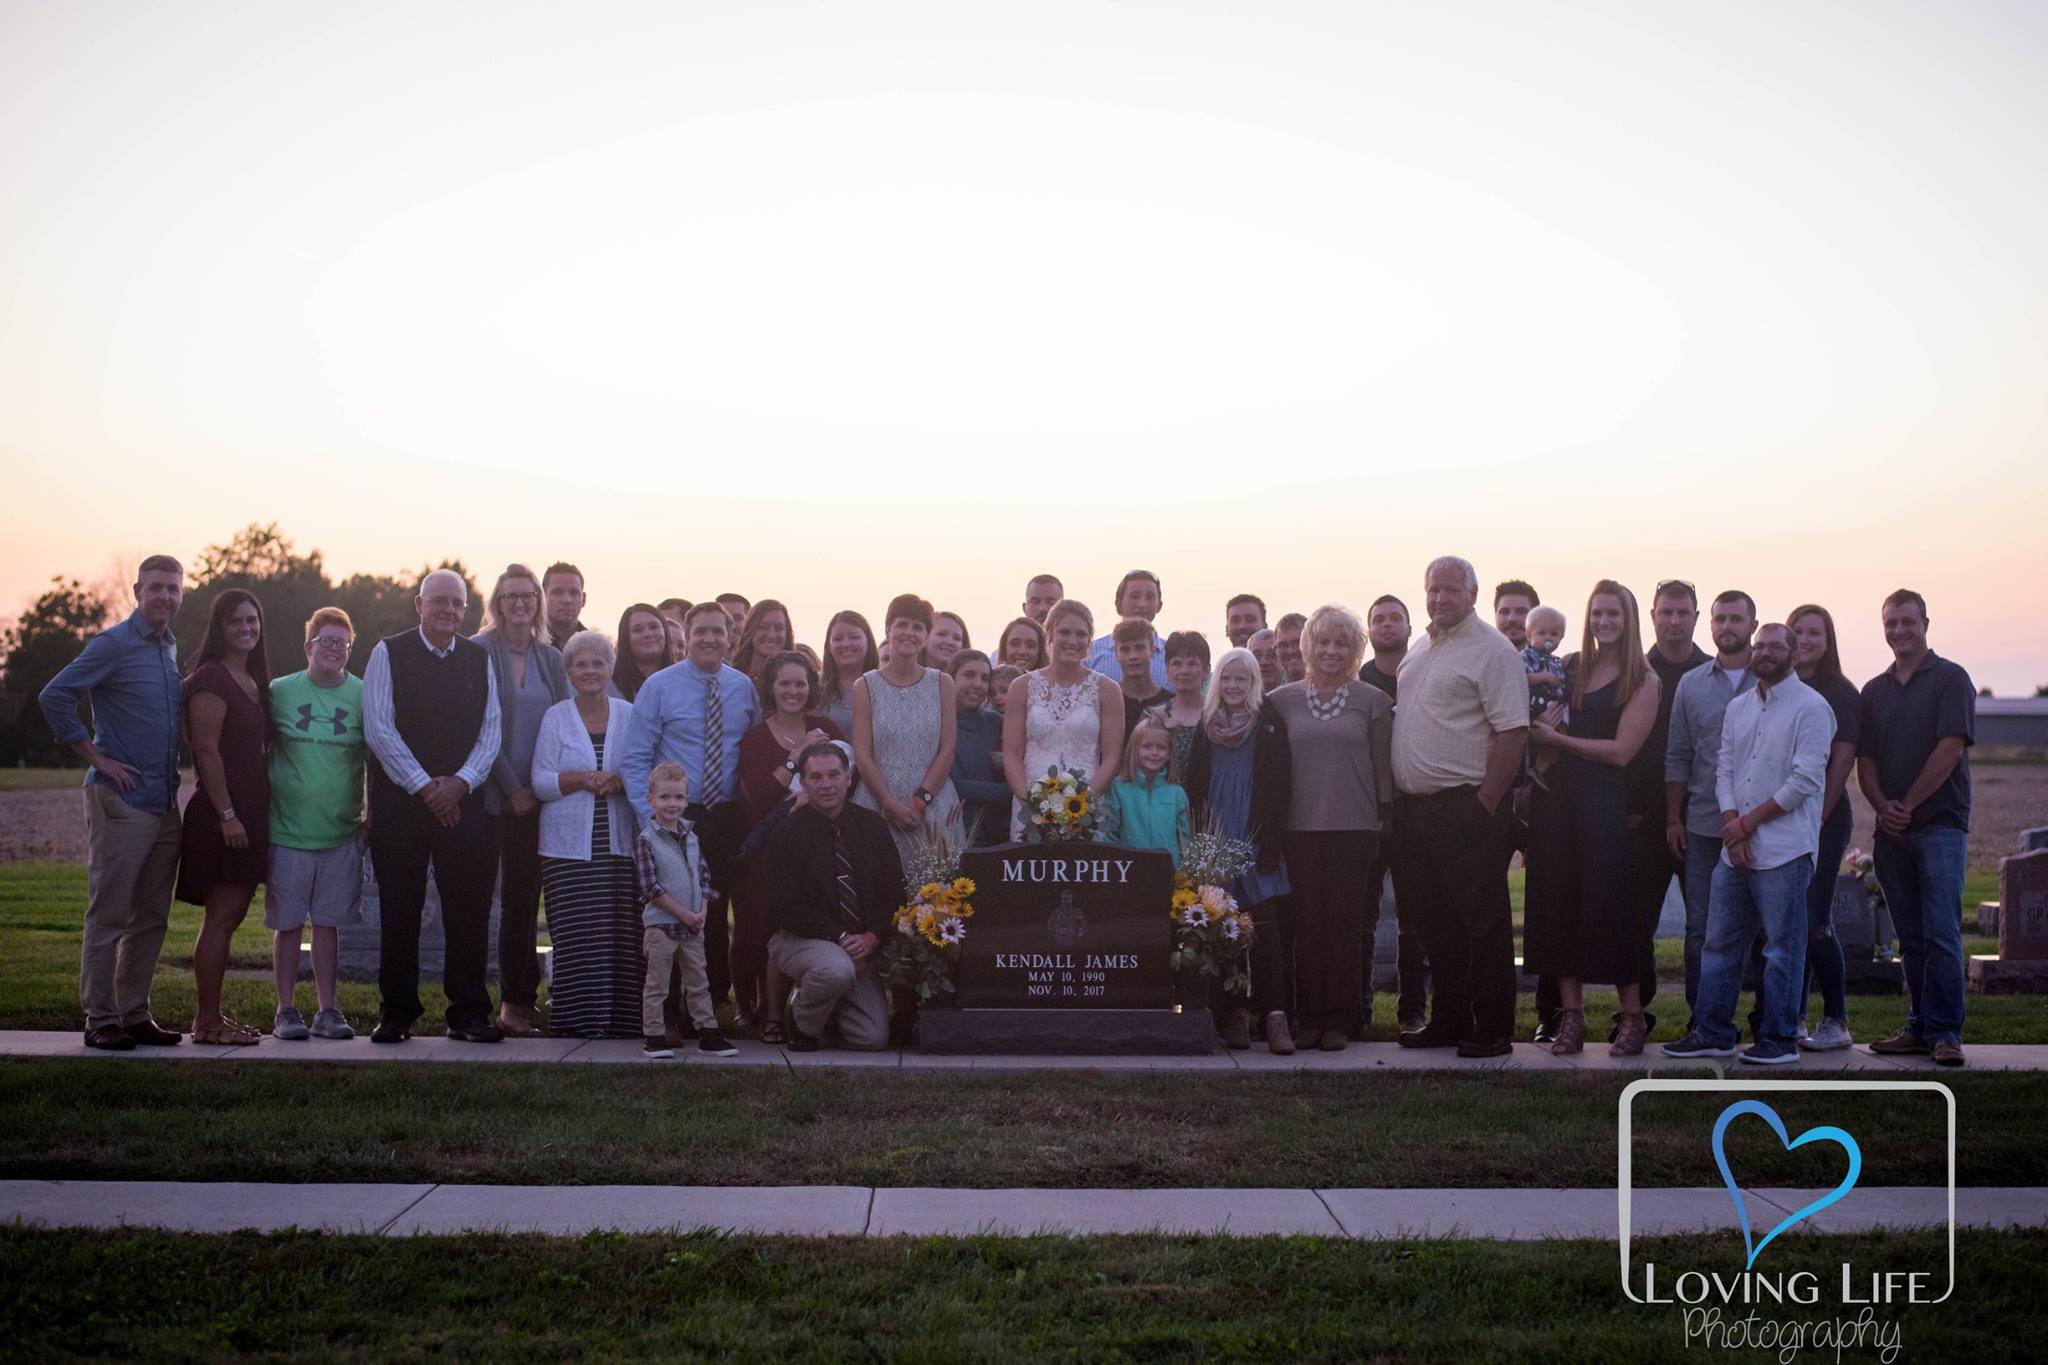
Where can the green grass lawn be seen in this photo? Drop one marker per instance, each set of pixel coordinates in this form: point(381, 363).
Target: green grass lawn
point(132, 1295)
point(42, 905)
point(538, 1124)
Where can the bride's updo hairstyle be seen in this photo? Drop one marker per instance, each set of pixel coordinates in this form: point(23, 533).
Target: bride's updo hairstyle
point(1067, 606)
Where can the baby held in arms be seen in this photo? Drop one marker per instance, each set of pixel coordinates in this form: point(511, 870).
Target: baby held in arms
point(1546, 674)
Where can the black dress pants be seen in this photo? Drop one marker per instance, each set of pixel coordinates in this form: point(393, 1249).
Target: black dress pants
point(1327, 870)
point(518, 907)
point(1451, 868)
point(406, 841)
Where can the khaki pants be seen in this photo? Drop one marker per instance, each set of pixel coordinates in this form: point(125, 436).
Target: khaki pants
point(133, 863)
point(831, 986)
point(663, 952)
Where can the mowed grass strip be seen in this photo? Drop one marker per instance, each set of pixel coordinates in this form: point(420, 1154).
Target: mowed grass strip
point(521, 1124)
point(42, 906)
point(73, 1296)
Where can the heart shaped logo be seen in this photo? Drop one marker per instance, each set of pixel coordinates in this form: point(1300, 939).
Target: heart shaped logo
point(1828, 1133)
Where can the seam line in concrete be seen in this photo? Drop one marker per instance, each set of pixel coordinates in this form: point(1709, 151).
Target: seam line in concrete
point(389, 1223)
point(867, 1221)
point(1324, 1201)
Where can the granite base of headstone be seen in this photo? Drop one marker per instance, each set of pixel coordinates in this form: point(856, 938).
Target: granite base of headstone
point(1068, 954)
point(1855, 921)
point(359, 943)
point(2021, 966)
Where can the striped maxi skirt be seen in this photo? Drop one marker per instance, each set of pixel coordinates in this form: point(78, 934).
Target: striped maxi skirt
point(593, 917)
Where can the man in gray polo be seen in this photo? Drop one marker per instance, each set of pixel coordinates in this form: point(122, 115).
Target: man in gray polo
point(1692, 811)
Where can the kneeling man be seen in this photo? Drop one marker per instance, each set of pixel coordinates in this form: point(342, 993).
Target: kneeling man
point(834, 882)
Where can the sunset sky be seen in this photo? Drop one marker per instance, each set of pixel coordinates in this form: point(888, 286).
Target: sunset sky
point(831, 301)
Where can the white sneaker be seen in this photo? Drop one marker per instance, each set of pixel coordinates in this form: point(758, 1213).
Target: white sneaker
point(289, 1024)
point(1833, 1037)
point(332, 1024)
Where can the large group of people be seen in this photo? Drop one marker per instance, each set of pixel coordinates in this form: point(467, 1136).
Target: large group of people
point(704, 809)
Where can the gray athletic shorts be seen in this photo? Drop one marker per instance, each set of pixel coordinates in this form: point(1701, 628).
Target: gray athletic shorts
point(325, 886)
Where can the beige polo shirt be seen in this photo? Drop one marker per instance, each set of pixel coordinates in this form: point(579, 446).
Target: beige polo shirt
point(1457, 690)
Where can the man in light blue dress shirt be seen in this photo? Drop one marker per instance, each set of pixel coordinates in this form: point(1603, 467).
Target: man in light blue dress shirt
point(1773, 759)
point(693, 714)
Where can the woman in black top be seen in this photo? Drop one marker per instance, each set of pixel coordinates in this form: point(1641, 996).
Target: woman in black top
point(1819, 665)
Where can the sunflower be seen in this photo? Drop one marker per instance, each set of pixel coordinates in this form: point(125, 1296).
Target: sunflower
point(929, 891)
point(1077, 806)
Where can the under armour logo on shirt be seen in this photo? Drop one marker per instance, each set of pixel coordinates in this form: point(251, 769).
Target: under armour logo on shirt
point(339, 720)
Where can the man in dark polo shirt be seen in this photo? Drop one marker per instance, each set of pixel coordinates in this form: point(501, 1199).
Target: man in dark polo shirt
point(430, 717)
point(1919, 718)
point(833, 884)
point(1674, 616)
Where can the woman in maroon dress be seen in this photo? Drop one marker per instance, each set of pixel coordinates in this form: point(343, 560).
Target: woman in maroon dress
point(789, 686)
point(226, 846)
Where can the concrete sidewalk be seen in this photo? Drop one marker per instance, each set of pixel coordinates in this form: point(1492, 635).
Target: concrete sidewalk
point(1357, 1057)
point(860, 1211)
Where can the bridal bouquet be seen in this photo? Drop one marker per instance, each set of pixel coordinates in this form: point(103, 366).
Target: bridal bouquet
point(931, 923)
point(1212, 935)
point(1060, 808)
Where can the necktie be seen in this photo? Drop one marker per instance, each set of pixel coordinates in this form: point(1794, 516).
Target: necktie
point(714, 745)
point(842, 866)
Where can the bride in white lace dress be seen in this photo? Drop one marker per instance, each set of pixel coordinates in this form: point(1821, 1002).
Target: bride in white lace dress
point(1063, 715)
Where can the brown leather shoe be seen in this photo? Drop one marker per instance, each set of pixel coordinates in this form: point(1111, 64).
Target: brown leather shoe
point(1237, 1031)
point(1948, 1054)
point(1904, 1043)
point(1278, 1040)
point(1333, 1040)
point(109, 1038)
point(150, 1033)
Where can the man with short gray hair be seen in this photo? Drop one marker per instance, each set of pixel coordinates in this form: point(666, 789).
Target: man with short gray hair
point(129, 673)
point(431, 718)
point(1459, 732)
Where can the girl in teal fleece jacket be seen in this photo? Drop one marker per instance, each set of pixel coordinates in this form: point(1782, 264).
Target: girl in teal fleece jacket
point(1147, 808)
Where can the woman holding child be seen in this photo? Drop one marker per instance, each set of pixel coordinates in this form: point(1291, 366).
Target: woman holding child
point(586, 850)
point(1577, 926)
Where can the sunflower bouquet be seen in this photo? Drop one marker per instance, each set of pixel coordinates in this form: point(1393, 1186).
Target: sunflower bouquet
point(1060, 808)
point(924, 951)
point(1212, 935)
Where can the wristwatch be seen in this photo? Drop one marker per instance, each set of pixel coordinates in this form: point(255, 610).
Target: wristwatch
point(924, 796)
point(789, 763)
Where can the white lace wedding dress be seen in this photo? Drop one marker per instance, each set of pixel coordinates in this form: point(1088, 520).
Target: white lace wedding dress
point(1062, 728)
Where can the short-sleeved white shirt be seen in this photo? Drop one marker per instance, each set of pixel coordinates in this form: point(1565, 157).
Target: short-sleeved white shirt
point(1457, 690)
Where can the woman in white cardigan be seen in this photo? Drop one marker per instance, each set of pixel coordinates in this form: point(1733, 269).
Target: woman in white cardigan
point(586, 849)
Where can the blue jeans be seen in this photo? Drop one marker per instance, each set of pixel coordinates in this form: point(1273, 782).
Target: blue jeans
point(1702, 856)
point(1922, 877)
point(1743, 899)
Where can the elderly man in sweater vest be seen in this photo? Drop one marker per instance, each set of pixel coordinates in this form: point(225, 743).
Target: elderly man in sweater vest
point(431, 718)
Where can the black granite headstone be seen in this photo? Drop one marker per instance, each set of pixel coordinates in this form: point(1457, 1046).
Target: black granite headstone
point(1067, 926)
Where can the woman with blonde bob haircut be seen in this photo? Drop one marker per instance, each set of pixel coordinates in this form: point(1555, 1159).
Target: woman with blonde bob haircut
point(1578, 925)
point(1238, 777)
point(1340, 734)
point(1063, 715)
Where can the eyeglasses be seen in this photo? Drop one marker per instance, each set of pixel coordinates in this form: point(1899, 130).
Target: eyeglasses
point(527, 597)
point(329, 642)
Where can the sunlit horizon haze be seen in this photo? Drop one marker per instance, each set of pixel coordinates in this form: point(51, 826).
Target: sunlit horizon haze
point(830, 302)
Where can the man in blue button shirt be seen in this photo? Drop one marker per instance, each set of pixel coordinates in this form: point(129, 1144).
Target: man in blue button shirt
point(1139, 594)
point(693, 713)
point(129, 673)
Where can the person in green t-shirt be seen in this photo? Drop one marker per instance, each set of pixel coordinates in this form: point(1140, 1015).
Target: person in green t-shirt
point(317, 753)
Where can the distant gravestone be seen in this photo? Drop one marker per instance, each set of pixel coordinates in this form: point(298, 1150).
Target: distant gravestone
point(2021, 966)
point(2033, 839)
point(1855, 921)
point(1069, 951)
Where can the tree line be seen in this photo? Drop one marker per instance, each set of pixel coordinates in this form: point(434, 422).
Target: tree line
point(290, 585)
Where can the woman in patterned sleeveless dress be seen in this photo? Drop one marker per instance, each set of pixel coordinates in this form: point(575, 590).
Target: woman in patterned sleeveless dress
point(1063, 715)
point(903, 723)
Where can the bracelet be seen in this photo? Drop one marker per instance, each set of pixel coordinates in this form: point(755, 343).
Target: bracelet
point(227, 815)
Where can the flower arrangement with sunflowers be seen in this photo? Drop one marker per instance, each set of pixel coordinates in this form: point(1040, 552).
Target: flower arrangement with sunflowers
point(924, 951)
point(1061, 808)
point(1212, 936)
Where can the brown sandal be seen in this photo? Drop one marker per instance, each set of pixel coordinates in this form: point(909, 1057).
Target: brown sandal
point(225, 1033)
point(772, 1034)
point(1571, 1033)
point(1629, 1032)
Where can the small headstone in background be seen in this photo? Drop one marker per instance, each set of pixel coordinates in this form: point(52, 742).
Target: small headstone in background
point(2021, 967)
